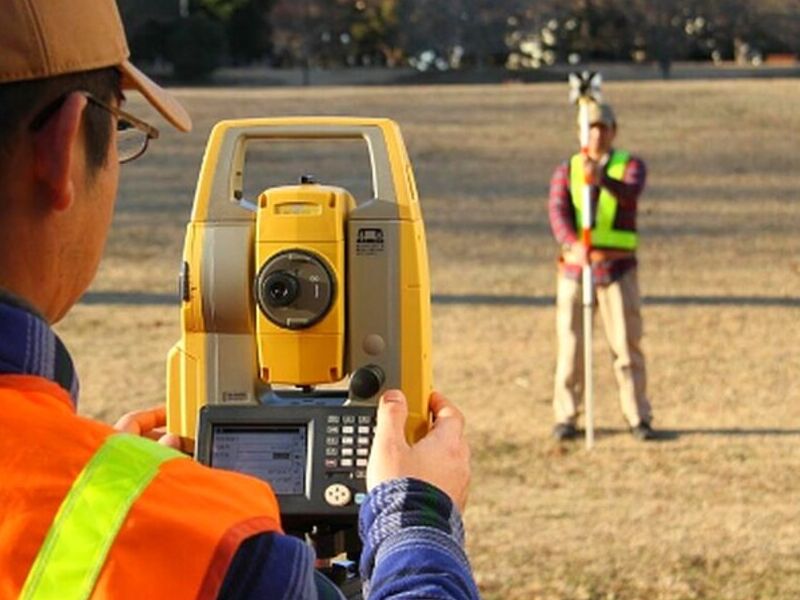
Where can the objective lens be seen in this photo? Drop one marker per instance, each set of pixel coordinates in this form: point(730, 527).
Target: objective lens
point(281, 289)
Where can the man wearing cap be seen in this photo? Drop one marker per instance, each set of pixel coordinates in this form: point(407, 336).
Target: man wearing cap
point(87, 511)
point(618, 179)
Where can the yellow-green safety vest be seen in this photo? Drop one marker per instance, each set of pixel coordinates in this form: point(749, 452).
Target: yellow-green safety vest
point(603, 233)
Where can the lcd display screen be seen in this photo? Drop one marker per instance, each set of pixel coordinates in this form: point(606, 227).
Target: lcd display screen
point(276, 455)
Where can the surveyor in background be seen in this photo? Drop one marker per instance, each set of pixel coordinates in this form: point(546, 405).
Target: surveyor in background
point(618, 179)
point(86, 511)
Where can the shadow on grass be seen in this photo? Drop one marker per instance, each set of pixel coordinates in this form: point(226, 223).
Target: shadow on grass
point(670, 435)
point(147, 298)
point(513, 300)
point(674, 434)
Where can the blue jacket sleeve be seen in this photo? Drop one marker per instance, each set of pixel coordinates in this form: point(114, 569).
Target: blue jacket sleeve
point(413, 548)
point(413, 544)
point(272, 565)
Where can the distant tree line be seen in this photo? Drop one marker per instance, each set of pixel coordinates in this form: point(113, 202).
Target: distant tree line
point(196, 36)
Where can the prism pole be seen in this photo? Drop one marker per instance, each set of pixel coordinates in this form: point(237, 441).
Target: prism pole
point(585, 90)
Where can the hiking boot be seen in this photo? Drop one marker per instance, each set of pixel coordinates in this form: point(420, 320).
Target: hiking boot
point(564, 431)
point(643, 432)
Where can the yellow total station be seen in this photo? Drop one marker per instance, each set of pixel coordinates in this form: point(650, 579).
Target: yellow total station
point(300, 255)
point(306, 286)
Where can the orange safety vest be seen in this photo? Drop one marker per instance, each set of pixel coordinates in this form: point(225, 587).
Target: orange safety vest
point(175, 541)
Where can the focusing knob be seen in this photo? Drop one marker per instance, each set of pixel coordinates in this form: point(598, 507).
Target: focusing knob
point(367, 381)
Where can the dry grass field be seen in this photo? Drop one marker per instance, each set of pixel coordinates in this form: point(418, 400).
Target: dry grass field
point(709, 511)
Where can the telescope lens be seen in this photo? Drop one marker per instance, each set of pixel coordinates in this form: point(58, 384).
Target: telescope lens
point(281, 288)
point(294, 289)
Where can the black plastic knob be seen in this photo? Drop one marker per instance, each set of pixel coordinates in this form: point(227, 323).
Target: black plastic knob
point(367, 381)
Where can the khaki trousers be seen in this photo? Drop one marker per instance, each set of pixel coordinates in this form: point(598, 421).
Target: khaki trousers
point(620, 310)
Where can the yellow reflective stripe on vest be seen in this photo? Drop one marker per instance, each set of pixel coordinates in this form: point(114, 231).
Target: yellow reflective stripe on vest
point(89, 518)
point(603, 232)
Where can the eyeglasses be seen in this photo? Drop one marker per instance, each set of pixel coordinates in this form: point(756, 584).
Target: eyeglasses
point(133, 135)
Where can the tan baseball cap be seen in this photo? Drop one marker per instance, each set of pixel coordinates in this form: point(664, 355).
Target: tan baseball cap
point(600, 113)
point(44, 38)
